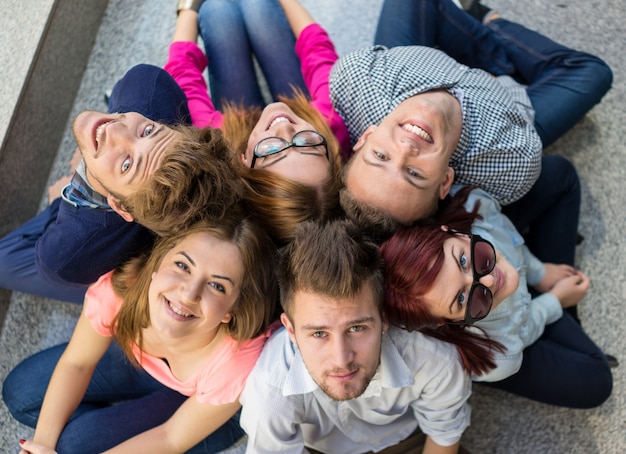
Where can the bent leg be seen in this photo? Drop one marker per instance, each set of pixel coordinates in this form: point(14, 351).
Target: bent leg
point(114, 380)
point(563, 84)
point(103, 428)
point(563, 367)
point(231, 68)
point(548, 214)
point(18, 270)
point(441, 24)
point(273, 44)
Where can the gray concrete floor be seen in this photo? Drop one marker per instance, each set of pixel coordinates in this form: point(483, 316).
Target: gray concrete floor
point(139, 32)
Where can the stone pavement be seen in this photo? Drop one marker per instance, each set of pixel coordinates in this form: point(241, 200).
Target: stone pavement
point(139, 32)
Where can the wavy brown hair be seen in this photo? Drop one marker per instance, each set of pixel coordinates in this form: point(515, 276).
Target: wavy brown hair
point(256, 306)
point(280, 204)
point(195, 180)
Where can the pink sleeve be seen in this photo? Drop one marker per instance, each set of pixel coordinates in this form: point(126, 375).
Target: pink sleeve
point(317, 56)
point(102, 304)
point(185, 64)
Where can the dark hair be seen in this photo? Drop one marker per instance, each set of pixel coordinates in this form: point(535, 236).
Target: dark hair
point(370, 219)
point(333, 259)
point(414, 257)
point(195, 180)
point(256, 306)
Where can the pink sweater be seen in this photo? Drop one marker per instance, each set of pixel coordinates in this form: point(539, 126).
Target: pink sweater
point(317, 54)
point(218, 381)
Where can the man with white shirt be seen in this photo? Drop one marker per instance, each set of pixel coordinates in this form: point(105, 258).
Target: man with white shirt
point(337, 378)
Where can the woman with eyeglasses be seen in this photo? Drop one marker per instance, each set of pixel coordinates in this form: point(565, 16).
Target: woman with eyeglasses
point(468, 278)
point(288, 151)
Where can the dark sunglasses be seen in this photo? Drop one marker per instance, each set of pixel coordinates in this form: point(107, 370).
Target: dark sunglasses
point(480, 299)
point(272, 145)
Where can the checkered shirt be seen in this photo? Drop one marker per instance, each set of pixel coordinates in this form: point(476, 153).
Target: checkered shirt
point(499, 149)
point(80, 194)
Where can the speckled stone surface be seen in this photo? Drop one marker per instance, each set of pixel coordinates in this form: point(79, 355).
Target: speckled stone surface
point(139, 32)
point(44, 50)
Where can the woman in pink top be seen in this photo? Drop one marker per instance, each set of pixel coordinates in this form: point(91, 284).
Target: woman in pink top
point(190, 320)
point(288, 152)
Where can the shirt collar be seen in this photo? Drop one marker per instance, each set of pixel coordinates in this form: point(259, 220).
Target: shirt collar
point(392, 372)
point(80, 193)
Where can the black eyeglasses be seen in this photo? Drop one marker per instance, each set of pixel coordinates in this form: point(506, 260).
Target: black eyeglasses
point(480, 299)
point(273, 145)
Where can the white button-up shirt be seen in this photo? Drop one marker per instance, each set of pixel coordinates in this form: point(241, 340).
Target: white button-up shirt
point(420, 381)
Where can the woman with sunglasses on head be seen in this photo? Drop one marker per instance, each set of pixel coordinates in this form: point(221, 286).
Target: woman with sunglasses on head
point(188, 319)
point(288, 151)
point(468, 278)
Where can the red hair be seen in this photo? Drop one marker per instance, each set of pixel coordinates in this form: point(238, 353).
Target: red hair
point(413, 258)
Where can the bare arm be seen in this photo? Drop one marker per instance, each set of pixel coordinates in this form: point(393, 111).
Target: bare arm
point(69, 381)
point(190, 424)
point(430, 447)
point(186, 26)
point(298, 17)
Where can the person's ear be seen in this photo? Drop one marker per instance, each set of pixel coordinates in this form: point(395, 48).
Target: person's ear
point(359, 143)
point(118, 207)
point(227, 317)
point(385, 324)
point(243, 158)
point(445, 228)
point(444, 187)
point(287, 324)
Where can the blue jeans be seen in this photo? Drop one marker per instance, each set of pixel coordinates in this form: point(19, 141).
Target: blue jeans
point(235, 31)
point(548, 214)
point(146, 89)
point(563, 367)
point(121, 401)
point(18, 270)
point(563, 84)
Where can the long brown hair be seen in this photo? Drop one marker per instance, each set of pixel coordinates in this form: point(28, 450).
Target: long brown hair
point(413, 258)
point(258, 299)
point(280, 204)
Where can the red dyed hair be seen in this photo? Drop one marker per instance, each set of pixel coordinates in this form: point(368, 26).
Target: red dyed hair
point(413, 258)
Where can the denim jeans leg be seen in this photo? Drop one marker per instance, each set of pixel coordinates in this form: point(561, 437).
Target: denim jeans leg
point(103, 428)
point(273, 44)
point(441, 24)
point(232, 77)
point(121, 401)
point(115, 379)
point(548, 214)
point(222, 438)
point(563, 367)
point(563, 84)
point(18, 269)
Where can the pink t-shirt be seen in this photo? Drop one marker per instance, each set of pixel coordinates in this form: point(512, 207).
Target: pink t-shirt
point(218, 381)
point(317, 54)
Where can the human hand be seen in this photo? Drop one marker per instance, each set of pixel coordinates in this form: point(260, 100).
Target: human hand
point(30, 447)
point(554, 273)
point(571, 290)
